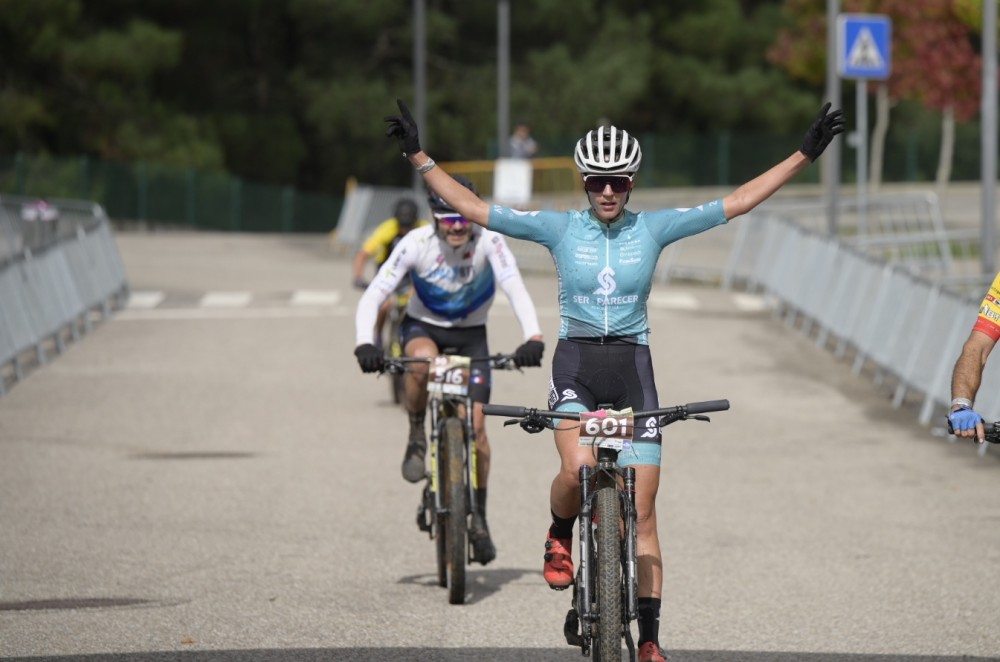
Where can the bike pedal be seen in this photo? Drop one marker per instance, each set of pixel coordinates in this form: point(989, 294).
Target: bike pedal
point(571, 629)
point(424, 515)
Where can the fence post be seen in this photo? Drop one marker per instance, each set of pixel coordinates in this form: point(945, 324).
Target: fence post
point(190, 206)
point(235, 208)
point(19, 174)
point(287, 209)
point(141, 190)
point(724, 149)
point(84, 163)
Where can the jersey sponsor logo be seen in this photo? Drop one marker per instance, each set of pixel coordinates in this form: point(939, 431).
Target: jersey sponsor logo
point(615, 301)
point(606, 281)
point(515, 212)
point(498, 248)
point(989, 313)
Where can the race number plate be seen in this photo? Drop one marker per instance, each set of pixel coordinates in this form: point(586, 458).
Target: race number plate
point(449, 375)
point(607, 429)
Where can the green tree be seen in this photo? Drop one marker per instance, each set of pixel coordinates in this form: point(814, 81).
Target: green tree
point(294, 91)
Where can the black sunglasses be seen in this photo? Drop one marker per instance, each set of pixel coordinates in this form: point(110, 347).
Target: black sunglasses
point(597, 183)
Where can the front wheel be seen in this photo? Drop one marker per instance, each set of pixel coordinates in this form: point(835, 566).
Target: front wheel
point(607, 631)
point(456, 507)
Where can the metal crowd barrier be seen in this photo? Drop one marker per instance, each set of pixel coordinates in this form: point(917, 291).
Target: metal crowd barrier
point(907, 329)
point(59, 270)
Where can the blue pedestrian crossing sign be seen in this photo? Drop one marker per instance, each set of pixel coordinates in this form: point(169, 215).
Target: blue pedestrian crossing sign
point(864, 46)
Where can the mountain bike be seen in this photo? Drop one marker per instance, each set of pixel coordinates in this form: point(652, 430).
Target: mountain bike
point(449, 497)
point(605, 590)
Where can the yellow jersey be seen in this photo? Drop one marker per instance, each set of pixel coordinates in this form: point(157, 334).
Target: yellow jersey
point(384, 238)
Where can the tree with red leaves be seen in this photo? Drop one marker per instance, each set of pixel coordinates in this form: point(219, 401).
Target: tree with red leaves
point(933, 61)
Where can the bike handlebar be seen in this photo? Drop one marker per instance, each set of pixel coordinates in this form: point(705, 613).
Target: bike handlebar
point(496, 361)
point(991, 431)
point(666, 415)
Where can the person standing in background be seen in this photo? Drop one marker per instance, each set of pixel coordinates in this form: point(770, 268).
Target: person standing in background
point(522, 145)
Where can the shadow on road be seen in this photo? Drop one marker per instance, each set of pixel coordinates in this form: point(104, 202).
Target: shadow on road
point(479, 583)
point(465, 654)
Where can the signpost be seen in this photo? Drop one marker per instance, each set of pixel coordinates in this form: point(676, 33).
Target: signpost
point(864, 52)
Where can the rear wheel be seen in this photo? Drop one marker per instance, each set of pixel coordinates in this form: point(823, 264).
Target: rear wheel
point(607, 633)
point(456, 507)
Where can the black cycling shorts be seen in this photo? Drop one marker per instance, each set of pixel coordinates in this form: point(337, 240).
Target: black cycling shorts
point(461, 341)
point(587, 372)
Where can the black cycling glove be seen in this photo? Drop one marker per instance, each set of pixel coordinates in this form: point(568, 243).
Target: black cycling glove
point(404, 129)
point(369, 358)
point(529, 354)
point(822, 132)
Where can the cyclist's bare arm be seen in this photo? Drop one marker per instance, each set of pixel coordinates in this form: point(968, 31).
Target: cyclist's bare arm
point(359, 264)
point(968, 373)
point(762, 187)
point(465, 202)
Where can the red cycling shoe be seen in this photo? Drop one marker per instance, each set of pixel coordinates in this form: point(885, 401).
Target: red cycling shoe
point(651, 652)
point(558, 569)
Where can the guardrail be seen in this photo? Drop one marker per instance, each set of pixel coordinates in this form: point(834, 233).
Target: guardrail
point(60, 270)
point(904, 328)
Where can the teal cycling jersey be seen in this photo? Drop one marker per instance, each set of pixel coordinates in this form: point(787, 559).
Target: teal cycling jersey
point(605, 271)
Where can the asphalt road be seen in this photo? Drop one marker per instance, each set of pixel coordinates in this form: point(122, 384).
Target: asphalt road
point(208, 476)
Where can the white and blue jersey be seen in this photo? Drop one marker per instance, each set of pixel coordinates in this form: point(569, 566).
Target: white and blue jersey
point(605, 271)
point(454, 287)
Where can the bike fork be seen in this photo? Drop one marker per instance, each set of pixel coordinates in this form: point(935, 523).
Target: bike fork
point(630, 569)
point(584, 584)
point(630, 572)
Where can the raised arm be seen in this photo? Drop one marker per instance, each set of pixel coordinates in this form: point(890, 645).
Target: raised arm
point(821, 133)
point(468, 204)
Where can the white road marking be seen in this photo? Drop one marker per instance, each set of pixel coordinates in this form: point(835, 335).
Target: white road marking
point(144, 300)
point(750, 303)
point(225, 300)
point(315, 298)
point(191, 314)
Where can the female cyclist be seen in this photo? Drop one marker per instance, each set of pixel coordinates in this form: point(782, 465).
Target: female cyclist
point(605, 257)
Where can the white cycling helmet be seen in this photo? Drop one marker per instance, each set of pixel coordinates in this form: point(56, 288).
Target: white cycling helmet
point(607, 151)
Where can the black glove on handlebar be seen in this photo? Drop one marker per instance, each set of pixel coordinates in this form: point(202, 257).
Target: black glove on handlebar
point(404, 129)
point(369, 358)
point(529, 354)
point(824, 128)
